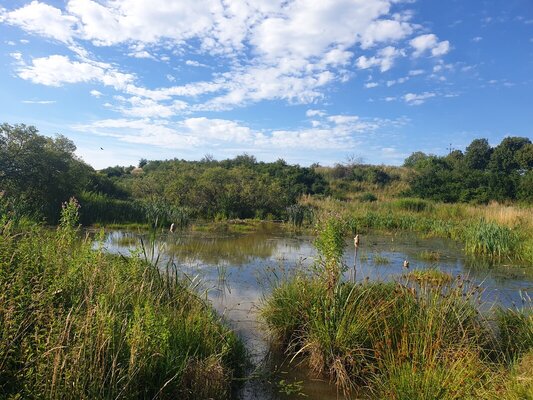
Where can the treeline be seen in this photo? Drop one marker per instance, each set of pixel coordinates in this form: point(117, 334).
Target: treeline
point(38, 174)
point(478, 175)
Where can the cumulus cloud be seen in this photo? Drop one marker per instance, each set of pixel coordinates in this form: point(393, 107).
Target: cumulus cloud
point(384, 59)
point(264, 50)
point(57, 70)
point(44, 20)
point(429, 43)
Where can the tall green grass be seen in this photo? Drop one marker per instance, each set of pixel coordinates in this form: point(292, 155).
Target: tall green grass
point(77, 323)
point(490, 239)
point(410, 340)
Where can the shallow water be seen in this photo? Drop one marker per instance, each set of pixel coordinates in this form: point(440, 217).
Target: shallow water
point(237, 269)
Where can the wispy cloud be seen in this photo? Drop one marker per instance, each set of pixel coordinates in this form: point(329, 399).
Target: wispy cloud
point(38, 101)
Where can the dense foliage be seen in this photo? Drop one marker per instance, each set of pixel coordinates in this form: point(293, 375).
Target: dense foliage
point(479, 174)
point(238, 188)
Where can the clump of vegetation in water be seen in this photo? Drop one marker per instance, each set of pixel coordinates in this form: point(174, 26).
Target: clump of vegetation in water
point(490, 239)
point(430, 255)
point(76, 323)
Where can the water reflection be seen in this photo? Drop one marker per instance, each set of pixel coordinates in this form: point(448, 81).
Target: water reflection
point(236, 270)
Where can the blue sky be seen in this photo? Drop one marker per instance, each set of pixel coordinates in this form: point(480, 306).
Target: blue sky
point(307, 81)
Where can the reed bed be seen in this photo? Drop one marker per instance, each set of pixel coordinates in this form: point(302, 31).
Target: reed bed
point(77, 323)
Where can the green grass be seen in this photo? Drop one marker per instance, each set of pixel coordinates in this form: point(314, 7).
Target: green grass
point(490, 239)
point(515, 328)
point(416, 205)
point(77, 323)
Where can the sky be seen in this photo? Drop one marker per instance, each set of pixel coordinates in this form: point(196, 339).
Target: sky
point(304, 80)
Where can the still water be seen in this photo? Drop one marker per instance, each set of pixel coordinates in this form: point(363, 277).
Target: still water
point(237, 270)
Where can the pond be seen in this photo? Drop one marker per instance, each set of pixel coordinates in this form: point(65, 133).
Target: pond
point(236, 271)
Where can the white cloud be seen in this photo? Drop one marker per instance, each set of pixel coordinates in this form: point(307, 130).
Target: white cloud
point(273, 50)
point(38, 101)
point(141, 54)
point(384, 59)
point(416, 72)
point(477, 39)
point(385, 30)
point(397, 81)
point(146, 108)
point(44, 20)
point(16, 55)
point(57, 70)
point(415, 99)
point(429, 42)
point(194, 63)
point(371, 85)
point(96, 93)
point(315, 113)
point(202, 132)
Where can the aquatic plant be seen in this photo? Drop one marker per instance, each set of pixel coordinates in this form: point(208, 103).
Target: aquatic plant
point(430, 255)
point(376, 332)
point(490, 239)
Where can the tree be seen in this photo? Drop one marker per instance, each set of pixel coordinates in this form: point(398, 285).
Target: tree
point(524, 157)
point(39, 171)
point(414, 159)
point(477, 154)
point(504, 157)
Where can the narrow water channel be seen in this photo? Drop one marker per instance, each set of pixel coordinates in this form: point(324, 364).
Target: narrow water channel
point(236, 270)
